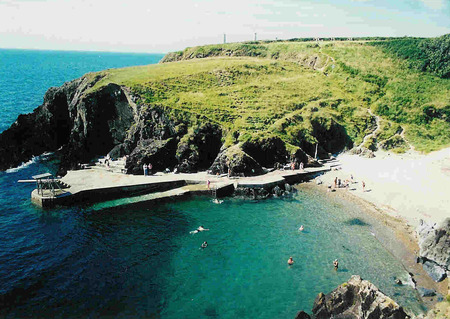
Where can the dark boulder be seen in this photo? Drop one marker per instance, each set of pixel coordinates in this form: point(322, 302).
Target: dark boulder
point(435, 271)
point(302, 315)
point(198, 148)
point(160, 154)
point(266, 151)
point(239, 163)
point(424, 292)
point(356, 299)
point(277, 191)
point(434, 244)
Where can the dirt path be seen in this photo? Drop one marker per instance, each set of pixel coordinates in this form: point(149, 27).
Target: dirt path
point(374, 132)
point(402, 134)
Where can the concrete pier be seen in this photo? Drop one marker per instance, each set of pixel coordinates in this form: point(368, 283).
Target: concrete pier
point(94, 185)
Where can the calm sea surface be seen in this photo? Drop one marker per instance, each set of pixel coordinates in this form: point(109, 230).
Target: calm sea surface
point(140, 260)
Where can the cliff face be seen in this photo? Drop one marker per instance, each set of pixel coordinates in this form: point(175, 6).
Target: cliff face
point(84, 124)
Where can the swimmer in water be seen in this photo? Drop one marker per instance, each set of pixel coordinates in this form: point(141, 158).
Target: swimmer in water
point(301, 228)
point(290, 261)
point(204, 245)
point(199, 229)
point(336, 264)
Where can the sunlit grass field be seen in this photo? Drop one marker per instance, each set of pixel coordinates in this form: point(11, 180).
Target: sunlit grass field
point(284, 89)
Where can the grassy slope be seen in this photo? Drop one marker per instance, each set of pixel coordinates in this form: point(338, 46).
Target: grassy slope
point(265, 89)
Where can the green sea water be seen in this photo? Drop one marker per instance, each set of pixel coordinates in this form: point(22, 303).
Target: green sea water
point(243, 273)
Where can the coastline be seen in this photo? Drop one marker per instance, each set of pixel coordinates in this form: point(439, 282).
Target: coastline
point(387, 181)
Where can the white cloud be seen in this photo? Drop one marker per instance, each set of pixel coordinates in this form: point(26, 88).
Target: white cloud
point(147, 25)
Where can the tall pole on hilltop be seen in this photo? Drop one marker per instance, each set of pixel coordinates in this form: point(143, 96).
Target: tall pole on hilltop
point(255, 36)
point(224, 38)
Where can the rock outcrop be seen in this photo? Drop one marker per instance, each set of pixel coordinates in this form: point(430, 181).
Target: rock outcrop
point(434, 244)
point(199, 148)
point(238, 161)
point(83, 123)
point(356, 299)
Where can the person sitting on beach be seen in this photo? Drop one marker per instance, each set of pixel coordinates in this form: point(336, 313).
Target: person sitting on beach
point(204, 245)
point(363, 186)
point(301, 228)
point(336, 264)
point(290, 261)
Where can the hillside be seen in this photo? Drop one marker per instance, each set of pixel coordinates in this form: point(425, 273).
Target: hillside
point(270, 99)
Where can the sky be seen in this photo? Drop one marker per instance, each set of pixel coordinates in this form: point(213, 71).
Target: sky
point(170, 25)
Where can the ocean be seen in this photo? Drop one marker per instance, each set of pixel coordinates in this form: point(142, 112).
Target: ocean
point(141, 260)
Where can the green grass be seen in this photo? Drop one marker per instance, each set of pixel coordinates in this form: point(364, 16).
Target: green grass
point(293, 90)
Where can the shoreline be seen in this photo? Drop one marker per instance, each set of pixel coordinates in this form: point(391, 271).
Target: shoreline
point(392, 223)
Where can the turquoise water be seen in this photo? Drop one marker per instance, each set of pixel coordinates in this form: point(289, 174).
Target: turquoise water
point(140, 260)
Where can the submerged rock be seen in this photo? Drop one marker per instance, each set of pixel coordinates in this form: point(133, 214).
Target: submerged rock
point(434, 244)
point(302, 315)
point(424, 292)
point(356, 299)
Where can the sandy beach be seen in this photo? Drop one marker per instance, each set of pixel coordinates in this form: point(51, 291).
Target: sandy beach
point(400, 190)
point(411, 186)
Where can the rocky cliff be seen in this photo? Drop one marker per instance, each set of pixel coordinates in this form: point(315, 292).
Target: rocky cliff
point(355, 299)
point(79, 123)
point(82, 123)
point(434, 243)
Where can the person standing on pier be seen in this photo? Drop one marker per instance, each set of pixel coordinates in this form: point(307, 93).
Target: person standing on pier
point(150, 166)
point(145, 168)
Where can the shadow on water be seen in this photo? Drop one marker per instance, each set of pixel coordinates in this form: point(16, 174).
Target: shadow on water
point(113, 253)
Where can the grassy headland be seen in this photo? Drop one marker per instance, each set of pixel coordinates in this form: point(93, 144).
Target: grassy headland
point(304, 92)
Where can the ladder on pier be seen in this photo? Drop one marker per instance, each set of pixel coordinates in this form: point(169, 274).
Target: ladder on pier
point(214, 192)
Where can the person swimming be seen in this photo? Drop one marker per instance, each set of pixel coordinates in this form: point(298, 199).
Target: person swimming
point(336, 264)
point(301, 228)
point(199, 229)
point(204, 245)
point(290, 261)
